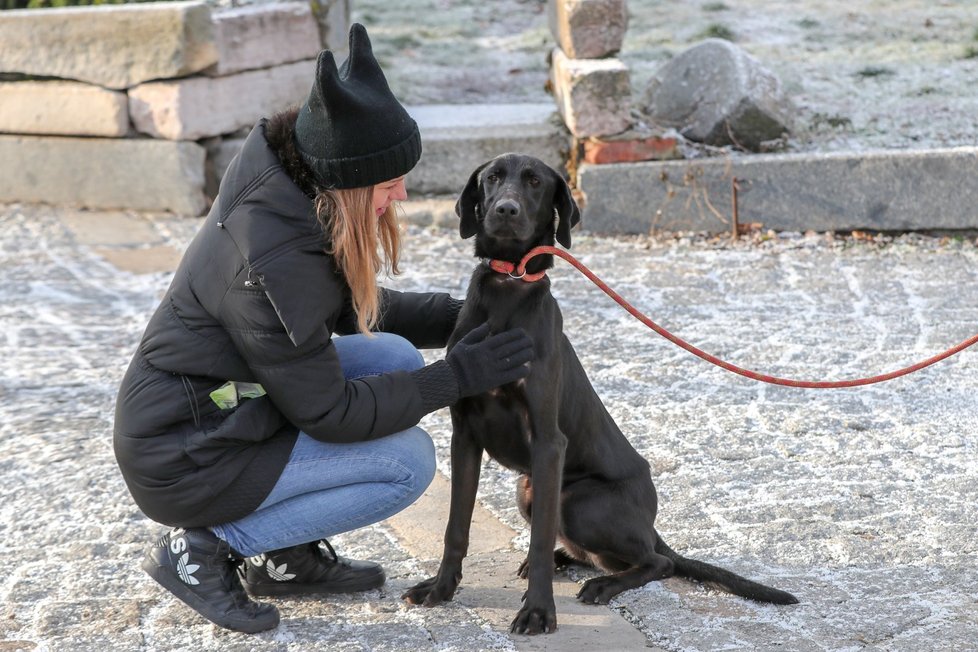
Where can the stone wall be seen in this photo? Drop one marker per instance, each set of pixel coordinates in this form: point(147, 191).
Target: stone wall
point(128, 106)
point(592, 86)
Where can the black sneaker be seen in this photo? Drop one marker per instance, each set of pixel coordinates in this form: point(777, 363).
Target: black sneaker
point(197, 567)
point(309, 568)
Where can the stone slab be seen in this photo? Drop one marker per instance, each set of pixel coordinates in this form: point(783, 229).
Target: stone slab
point(457, 139)
point(116, 46)
point(62, 108)
point(199, 107)
point(881, 190)
point(153, 175)
point(262, 36)
point(144, 260)
point(593, 95)
point(111, 229)
point(588, 29)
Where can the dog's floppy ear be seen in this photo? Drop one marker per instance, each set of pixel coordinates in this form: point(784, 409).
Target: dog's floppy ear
point(568, 214)
point(468, 204)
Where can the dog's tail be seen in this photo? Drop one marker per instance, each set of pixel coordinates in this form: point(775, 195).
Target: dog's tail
point(719, 578)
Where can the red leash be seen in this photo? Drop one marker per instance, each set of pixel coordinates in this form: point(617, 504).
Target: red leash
point(774, 380)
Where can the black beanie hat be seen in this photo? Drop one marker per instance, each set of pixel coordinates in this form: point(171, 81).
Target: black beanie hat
point(351, 130)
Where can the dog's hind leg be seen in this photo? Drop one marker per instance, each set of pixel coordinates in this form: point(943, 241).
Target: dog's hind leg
point(605, 519)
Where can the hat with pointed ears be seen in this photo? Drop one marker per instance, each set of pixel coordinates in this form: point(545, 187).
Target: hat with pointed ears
point(351, 130)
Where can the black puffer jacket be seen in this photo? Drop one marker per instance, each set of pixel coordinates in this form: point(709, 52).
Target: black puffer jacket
point(256, 299)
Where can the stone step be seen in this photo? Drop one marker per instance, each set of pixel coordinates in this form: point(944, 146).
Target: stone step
point(152, 175)
point(457, 139)
point(884, 190)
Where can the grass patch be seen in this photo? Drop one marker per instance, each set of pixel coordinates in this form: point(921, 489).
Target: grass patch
point(970, 52)
point(808, 23)
point(835, 121)
point(874, 71)
point(716, 30)
point(715, 6)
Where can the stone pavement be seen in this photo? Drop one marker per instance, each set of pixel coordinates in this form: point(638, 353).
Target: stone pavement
point(862, 502)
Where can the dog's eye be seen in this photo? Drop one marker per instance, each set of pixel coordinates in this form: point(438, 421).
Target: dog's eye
point(492, 177)
point(534, 181)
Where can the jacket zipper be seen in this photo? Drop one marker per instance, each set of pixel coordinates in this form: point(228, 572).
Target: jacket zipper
point(255, 277)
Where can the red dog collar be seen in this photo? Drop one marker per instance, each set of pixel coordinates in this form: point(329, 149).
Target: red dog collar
point(504, 267)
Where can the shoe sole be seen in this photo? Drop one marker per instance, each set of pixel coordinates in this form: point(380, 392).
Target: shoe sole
point(291, 588)
point(166, 579)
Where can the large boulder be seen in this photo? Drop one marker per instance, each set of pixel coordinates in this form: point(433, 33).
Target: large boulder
point(716, 93)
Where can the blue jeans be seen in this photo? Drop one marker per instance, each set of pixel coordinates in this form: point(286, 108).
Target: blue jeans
point(326, 488)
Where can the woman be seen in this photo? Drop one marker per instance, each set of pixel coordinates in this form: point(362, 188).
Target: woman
point(242, 422)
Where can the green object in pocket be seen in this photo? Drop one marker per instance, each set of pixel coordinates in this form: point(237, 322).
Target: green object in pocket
point(228, 395)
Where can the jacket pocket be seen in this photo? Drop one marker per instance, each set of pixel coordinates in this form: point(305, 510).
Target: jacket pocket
point(252, 422)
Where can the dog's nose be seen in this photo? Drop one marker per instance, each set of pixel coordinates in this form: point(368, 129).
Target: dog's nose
point(507, 208)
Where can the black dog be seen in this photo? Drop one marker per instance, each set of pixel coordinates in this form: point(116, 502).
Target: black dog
point(581, 482)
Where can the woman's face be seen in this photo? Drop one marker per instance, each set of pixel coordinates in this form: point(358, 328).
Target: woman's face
point(387, 192)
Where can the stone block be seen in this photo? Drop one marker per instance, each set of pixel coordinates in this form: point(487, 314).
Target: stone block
point(199, 107)
point(895, 190)
point(154, 175)
point(629, 149)
point(716, 93)
point(588, 29)
point(593, 95)
point(63, 109)
point(115, 46)
point(262, 36)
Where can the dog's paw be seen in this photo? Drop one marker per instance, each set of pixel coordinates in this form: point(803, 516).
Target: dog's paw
point(433, 591)
point(535, 620)
point(599, 590)
point(524, 568)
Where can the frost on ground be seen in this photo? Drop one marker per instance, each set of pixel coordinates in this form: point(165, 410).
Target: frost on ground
point(860, 501)
point(894, 74)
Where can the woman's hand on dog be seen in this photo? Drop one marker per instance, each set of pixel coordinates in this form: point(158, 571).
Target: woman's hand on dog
point(482, 362)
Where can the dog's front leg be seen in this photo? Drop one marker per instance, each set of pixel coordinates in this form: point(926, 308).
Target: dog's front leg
point(538, 614)
point(466, 465)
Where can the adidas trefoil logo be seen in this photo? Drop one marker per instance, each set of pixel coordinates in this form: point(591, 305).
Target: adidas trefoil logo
point(186, 570)
point(277, 573)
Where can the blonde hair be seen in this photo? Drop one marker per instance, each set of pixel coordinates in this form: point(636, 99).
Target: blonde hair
point(362, 244)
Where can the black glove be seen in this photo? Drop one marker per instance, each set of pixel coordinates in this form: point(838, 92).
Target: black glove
point(482, 363)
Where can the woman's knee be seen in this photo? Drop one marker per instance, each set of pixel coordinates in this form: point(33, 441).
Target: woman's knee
point(400, 354)
point(416, 452)
point(381, 353)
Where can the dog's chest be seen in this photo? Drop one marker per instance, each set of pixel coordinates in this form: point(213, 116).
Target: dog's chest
point(500, 423)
